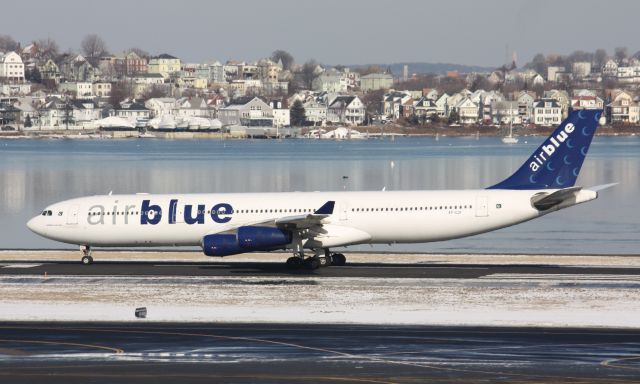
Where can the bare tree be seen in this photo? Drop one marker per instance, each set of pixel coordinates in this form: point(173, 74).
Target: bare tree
point(539, 64)
point(7, 43)
point(140, 52)
point(621, 53)
point(451, 85)
point(308, 73)
point(119, 92)
point(373, 101)
point(599, 58)
point(287, 59)
point(47, 48)
point(154, 92)
point(93, 46)
point(369, 70)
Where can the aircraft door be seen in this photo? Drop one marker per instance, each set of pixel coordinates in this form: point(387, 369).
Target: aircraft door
point(72, 215)
point(344, 211)
point(482, 207)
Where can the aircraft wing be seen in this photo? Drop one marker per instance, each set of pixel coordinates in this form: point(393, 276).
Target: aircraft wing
point(295, 222)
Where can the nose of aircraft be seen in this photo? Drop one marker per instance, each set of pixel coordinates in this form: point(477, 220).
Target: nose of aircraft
point(33, 224)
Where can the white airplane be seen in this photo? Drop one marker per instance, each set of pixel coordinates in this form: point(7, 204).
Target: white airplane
point(234, 223)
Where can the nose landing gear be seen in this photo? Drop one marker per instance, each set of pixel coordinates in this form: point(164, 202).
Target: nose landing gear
point(86, 252)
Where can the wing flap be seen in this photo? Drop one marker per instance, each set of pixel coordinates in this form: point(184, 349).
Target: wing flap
point(295, 222)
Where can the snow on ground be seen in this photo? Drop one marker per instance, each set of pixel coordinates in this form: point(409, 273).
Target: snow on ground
point(542, 300)
point(631, 261)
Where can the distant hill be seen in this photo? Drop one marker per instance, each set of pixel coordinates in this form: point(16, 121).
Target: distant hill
point(421, 68)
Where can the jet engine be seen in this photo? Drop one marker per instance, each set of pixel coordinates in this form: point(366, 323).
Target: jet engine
point(246, 239)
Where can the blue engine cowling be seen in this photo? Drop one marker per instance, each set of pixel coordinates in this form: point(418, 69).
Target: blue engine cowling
point(247, 239)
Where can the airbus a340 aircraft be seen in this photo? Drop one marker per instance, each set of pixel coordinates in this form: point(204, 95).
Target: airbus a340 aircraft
point(314, 222)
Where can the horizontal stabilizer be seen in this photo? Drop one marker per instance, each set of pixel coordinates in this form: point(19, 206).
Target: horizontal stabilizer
point(598, 188)
point(544, 201)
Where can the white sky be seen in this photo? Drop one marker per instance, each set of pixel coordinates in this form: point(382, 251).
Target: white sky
point(334, 31)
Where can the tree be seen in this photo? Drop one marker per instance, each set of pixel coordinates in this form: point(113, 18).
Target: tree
point(154, 92)
point(140, 52)
point(27, 122)
point(539, 64)
point(297, 114)
point(373, 101)
point(369, 70)
point(119, 92)
point(287, 59)
point(308, 73)
point(47, 49)
point(620, 54)
point(454, 116)
point(93, 46)
point(8, 44)
point(600, 58)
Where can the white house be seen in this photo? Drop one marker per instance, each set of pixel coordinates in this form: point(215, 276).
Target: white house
point(629, 74)
point(505, 112)
point(135, 113)
point(161, 106)
point(281, 116)
point(316, 110)
point(623, 109)
point(525, 106)
point(468, 111)
point(581, 69)
point(442, 105)
point(547, 112)
point(78, 89)
point(193, 107)
point(610, 68)
point(11, 68)
point(586, 102)
point(346, 110)
point(330, 82)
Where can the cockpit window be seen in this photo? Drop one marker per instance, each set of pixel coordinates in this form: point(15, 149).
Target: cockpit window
point(47, 213)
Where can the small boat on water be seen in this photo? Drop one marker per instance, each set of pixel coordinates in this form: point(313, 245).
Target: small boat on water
point(510, 139)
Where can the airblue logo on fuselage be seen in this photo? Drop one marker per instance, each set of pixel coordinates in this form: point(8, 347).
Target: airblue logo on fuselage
point(550, 147)
point(152, 213)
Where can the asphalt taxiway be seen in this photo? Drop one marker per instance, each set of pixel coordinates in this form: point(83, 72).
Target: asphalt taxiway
point(246, 353)
point(364, 270)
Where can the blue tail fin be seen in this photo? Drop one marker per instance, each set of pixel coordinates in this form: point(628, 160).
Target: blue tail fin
point(556, 163)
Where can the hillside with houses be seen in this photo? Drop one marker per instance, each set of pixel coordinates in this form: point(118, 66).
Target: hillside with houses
point(42, 90)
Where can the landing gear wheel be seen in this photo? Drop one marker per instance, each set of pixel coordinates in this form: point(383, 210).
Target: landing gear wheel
point(294, 262)
point(338, 259)
point(86, 260)
point(312, 263)
point(324, 261)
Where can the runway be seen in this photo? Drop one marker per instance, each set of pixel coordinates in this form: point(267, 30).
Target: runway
point(246, 353)
point(278, 269)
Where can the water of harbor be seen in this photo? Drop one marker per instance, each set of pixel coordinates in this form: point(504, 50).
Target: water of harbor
point(37, 172)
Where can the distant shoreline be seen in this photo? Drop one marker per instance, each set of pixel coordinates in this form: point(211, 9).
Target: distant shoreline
point(375, 132)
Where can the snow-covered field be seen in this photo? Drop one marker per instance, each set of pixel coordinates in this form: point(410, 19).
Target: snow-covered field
point(496, 300)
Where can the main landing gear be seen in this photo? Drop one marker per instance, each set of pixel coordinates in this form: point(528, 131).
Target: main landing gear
point(314, 262)
point(86, 252)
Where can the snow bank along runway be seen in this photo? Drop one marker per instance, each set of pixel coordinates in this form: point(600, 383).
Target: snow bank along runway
point(566, 291)
point(247, 353)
